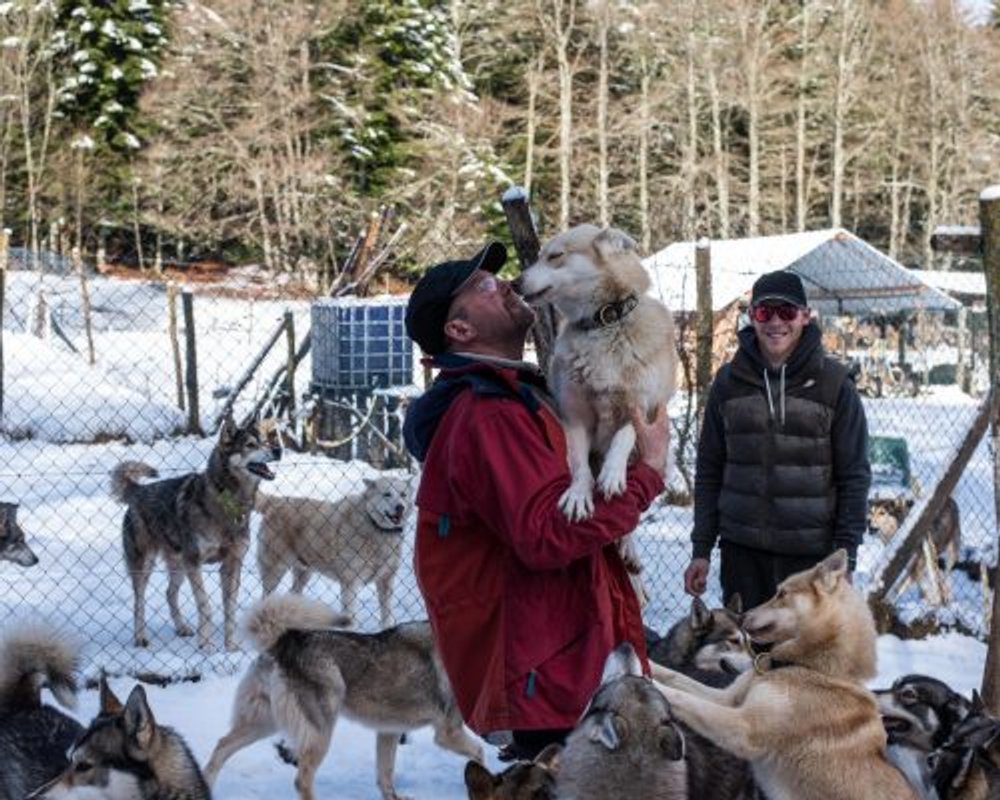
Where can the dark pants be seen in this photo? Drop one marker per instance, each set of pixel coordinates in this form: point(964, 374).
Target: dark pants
point(755, 574)
point(528, 744)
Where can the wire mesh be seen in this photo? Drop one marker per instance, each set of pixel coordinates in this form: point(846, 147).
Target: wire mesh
point(340, 522)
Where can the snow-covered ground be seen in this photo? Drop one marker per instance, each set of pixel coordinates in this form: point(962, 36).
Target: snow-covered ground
point(200, 711)
point(66, 424)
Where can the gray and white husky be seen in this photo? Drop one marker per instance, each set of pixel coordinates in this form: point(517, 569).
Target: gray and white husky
point(310, 672)
point(13, 546)
point(34, 737)
point(126, 755)
point(194, 519)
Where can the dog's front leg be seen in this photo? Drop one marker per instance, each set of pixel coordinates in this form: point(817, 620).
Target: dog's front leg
point(728, 727)
point(577, 502)
point(611, 479)
point(201, 603)
point(665, 678)
point(229, 573)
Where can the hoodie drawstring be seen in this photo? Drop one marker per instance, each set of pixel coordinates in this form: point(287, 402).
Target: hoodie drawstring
point(781, 394)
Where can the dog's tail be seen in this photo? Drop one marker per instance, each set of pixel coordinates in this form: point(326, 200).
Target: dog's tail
point(124, 477)
point(33, 656)
point(276, 614)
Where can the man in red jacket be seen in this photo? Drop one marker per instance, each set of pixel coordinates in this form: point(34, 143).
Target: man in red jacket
point(525, 605)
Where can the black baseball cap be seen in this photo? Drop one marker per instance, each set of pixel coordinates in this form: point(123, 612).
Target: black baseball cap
point(427, 309)
point(782, 286)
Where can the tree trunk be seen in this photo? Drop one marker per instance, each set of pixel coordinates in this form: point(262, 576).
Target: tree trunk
point(801, 198)
point(603, 21)
point(645, 232)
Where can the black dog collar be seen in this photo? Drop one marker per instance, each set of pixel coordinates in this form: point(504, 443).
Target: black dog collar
point(609, 314)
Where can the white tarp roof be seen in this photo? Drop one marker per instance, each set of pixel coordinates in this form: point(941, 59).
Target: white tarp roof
point(972, 284)
point(842, 274)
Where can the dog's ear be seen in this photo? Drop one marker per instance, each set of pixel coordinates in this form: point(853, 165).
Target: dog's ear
point(609, 731)
point(140, 727)
point(480, 782)
point(611, 241)
point(549, 757)
point(620, 662)
point(671, 742)
point(735, 603)
point(701, 617)
point(227, 430)
point(831, 569)
point(110, 704)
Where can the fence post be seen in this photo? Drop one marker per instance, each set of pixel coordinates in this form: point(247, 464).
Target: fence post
point(989, 218)
point(704, 328)
point(4, 242)
point(191, 359)
point(525, 238)
point(175, 347)
point(85, 299)
point(290, 369)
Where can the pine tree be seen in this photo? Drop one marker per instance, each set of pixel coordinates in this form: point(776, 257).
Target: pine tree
point(105, 53)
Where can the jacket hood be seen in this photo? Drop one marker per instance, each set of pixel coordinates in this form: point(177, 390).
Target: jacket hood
point(458, 373)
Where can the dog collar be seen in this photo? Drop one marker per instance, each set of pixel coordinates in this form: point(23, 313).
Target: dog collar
point(763, 661)
point(610, 313)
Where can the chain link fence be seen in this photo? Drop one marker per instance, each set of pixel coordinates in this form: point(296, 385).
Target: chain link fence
point(126, 375)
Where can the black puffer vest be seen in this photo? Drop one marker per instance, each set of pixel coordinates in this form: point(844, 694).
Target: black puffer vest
point(777, 490)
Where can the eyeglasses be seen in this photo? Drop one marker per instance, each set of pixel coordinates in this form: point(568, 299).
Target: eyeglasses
point(786, 312)
point(487, 284)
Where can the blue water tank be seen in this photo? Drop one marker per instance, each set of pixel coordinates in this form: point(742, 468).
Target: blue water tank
point(360, 343)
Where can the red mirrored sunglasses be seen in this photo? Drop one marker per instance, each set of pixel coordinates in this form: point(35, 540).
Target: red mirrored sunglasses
point(786, 312)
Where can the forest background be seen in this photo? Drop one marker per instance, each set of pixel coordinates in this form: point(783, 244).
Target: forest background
point(270, 132)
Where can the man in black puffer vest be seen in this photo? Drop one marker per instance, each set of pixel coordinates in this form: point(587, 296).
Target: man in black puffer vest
point(782, 475)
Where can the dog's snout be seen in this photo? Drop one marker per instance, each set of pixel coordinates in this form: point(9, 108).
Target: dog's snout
point(276, 453)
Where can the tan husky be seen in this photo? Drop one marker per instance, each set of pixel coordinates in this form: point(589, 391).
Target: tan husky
point(802, 717)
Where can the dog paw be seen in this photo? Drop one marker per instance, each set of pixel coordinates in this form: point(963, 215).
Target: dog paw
point(185, 630)
point(141, 641)
point(611, 480)
point(577, 504)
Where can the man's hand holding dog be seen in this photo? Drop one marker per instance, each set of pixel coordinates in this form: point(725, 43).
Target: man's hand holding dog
point(652, 438)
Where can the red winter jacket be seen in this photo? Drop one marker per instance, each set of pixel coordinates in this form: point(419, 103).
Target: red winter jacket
point(525, 605)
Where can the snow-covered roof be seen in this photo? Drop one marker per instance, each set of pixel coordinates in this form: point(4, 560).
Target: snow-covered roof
point(842, 274)
point(954, 282)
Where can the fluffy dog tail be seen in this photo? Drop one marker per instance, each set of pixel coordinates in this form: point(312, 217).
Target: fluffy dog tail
point(124, 477)
point(276, 614)
point(32, 657)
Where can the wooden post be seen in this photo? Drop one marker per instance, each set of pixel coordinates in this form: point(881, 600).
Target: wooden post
point(85, 299)
point(989, 218)
point(175, 348)
point(525, 238)
point(962, 370)
point(290, 368)
point(4, 242)
point(191, 359)
point(704, 328)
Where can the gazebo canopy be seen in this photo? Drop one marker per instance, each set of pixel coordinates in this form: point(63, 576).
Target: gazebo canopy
point(842, 274)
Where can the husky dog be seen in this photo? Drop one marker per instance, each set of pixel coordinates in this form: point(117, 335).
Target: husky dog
point(195, 519)
point(34, 737)
point(12, 544)
point(356, 540)
point(309, 673)
point(627, 744)
point(802, 717)
point(967, 766)
point(126, 755)
point(707, 644)
point(920, 712)
point(522, 780)
point(614, 352)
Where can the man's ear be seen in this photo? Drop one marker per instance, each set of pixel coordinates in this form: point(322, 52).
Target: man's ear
point(459, 330)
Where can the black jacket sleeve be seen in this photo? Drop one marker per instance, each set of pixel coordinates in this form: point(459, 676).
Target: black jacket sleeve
point(708, 476)
point(852, 473)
